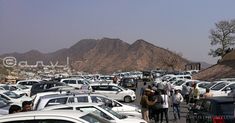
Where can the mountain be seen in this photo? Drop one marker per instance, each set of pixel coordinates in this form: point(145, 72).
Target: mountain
point(108, 55)
point(225, 68)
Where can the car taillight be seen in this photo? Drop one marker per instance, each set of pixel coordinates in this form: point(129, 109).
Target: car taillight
point(218, 119)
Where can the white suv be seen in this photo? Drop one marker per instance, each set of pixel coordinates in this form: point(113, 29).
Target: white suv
point(28, 83)
point(78, 83)
point(53, 116)
point(52, 98)
point(114, 91)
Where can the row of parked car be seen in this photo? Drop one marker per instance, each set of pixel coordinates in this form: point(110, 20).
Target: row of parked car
point(96, 102)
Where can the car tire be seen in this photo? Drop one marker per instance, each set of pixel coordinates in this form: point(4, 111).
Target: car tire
point(127, 99)
point(188, 120)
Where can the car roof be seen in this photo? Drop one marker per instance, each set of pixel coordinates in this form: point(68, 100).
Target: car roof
point(72, 105)
point(70, 95)
point(93, 84)
point(65, 113)
point(72, 79)
point(37, 80)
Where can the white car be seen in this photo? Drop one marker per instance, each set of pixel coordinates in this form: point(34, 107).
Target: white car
point(202, 85)
point(28, 83)
point(222, 88)
point(114, 91)
point(43, 100)
point(53, 116)
point(13, 97)
point(18, 89)
point(99, 110)
point(77, 82)
point(179, 84)
point(106, 78)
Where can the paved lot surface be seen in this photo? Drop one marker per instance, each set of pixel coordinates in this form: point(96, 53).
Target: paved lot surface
point(184, 107)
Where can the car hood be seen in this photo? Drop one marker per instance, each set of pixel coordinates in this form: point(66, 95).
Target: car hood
point(125, 108)
point(131, 119)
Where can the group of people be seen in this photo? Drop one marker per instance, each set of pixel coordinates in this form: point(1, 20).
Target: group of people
point(155, 102)
point(157, 98)
point(192, 94)
point(26, 106)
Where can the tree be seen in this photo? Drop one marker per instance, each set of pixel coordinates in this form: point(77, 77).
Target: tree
point(222, 37)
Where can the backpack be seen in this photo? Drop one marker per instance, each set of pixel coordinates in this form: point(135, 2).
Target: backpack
point(158, 104)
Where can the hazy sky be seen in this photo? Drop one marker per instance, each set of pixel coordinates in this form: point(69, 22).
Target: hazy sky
point(48, 25)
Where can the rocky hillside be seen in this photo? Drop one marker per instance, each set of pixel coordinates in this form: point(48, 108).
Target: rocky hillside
point(108, 55)
point(224, 69)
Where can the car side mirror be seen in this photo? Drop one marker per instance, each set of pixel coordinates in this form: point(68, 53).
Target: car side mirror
point(227, 89)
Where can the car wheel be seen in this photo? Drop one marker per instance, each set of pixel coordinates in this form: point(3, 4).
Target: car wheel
point(188, 120)
point(127, 99)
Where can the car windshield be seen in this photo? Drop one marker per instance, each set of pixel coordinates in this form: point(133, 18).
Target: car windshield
point(23, 87)
point(91, 118)
point(219, 86)
point(7, 87)
point(119, 116)
point(178, 83)
point(12, 95)
point(122, 88)
point(3, 103)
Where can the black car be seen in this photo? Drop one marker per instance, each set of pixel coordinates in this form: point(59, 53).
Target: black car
point(130, 83)
point(44, 86)
point(212, 110)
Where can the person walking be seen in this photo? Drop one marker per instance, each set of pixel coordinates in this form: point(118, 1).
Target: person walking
point(115, 79)
point(194, 94)
point(165, 106)
point(145, 103)
point(157, 107)
point(185, 92)
point(143, 88)
point(207, 94)
point(177, 98)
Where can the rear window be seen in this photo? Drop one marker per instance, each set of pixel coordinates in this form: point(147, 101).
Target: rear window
point(226, 108)
point(82, 99)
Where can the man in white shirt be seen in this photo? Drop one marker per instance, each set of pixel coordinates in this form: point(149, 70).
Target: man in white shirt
point(177, 99)
point(165, 106)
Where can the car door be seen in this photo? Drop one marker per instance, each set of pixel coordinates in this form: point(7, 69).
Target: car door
point(102, 89)
point(115, 93)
